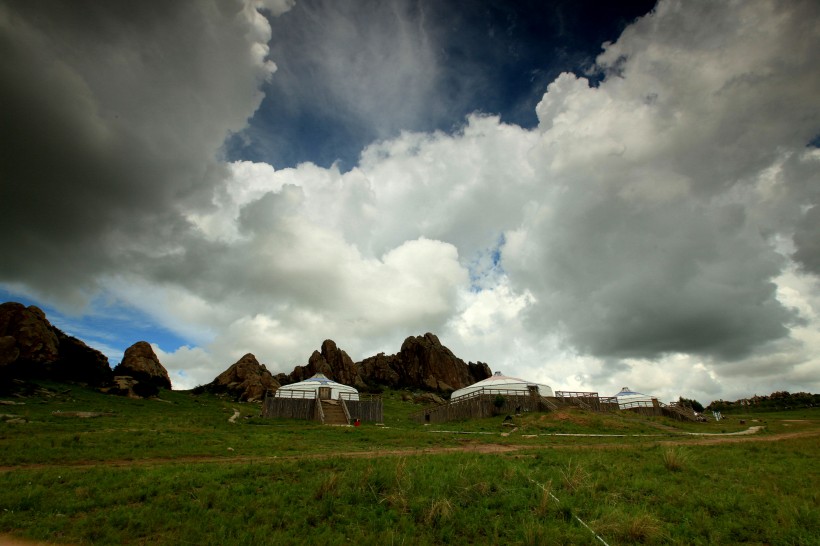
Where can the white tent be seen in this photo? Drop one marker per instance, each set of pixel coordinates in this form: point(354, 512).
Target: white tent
point(631, 399)
point(309, 388)
point(499, 382)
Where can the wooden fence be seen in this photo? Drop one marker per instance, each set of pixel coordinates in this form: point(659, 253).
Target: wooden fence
point(655, 408)
point(489, 402)
point(482, 403)
point(587, 400)
point(363, 407)
point(290, 408)
point(303, 404)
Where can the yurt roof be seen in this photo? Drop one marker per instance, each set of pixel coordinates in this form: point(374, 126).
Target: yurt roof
point(501, 382)
point(316, 381)
point(626, 395)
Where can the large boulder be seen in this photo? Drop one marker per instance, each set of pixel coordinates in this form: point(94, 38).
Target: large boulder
point(334, 363)
point(30, 347)
point(246, 380)
point(141, 363)
point(35, 340)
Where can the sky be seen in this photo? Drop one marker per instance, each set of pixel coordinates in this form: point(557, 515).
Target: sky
point(588, 197)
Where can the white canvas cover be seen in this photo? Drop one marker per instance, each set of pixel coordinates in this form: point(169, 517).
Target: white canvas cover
point(498, 381)
point(630, 398)
point(312, 384)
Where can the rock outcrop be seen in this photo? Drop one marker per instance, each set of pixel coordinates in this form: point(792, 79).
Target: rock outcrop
point(31, 348)
point(246, 380)
point(423, 362)
point(125, 385)
point(141, 363)
point(428, 398)
point(334, 363)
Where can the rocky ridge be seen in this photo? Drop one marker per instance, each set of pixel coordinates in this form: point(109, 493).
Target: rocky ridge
point(32, 348)
point(422, 363)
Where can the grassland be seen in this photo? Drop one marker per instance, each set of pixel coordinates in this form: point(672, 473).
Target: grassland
point(175, 471)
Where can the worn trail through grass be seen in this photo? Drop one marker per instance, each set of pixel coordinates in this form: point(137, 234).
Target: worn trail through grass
point(479, 448)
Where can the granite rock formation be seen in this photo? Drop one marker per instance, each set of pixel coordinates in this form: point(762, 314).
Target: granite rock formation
point(32, 348)
point(246, 380)
point(141, 363)
point(334, 363)
point(422, 363)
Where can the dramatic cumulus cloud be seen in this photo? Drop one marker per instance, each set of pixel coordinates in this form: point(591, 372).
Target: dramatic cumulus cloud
point(658, 230)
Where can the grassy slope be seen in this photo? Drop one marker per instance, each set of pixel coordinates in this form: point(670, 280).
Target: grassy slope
point(191, 488)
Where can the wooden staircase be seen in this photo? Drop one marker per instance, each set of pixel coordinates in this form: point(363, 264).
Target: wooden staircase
point(334, 413)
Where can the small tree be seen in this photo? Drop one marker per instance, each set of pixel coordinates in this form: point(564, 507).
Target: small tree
point(694, 404)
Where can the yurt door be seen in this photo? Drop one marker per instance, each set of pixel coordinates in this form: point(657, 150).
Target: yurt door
point(324, 393)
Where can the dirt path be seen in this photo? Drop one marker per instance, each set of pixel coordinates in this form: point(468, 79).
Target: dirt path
point(482, 448)
point(8, 540)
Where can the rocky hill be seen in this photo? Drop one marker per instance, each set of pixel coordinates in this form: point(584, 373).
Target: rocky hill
point(245, 380)
point(32, 348)
point(422, 363)
point(140, 373)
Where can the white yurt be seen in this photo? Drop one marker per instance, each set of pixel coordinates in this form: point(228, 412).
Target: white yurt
point(501, 382)
point(318, 386)
point(628, 398)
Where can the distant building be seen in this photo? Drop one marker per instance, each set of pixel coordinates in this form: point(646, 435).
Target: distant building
point(318, 386)
point(628, 398)
point(502, 384)
point(321, 399)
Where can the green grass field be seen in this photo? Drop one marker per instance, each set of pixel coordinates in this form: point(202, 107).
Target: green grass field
point(175, 471)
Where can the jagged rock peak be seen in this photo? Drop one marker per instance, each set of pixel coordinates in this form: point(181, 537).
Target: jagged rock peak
point(141, 363)
point(422, 363)
point(334, 363)
point(246, 380)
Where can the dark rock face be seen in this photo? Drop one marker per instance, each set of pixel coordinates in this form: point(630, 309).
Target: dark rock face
point(423, 362)
point(141, 363)
point(31, 348)
point(79, 362)
point(246, 380)
point(334, 363)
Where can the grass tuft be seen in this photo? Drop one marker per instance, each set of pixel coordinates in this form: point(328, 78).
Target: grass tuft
point(328, 487)
point(674, 459)
point(545, 500)
point(440, 511)
point(575, 477)
point(642, 528)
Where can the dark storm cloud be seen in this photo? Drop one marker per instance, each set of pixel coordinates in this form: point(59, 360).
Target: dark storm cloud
point(634, 282)
point(112, 115)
